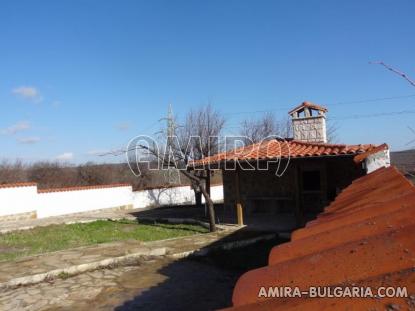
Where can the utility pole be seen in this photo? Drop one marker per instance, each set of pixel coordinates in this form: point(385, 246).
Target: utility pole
point(171, 174)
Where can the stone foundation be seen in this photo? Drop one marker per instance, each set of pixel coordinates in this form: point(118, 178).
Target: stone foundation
point(21, 216)
point(33, 214)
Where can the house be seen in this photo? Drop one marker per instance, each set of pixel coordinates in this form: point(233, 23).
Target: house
point(283, 182)
point(362, 240)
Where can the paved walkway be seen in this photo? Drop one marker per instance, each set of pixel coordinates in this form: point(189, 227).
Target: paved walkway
point(136, 286)
point(158, 284)
point(30, 270)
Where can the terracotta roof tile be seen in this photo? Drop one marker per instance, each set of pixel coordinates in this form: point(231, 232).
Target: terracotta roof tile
point(20, 184)
point(363, 238)
point(275, 149)
point(360, 157)
point(82, 188)
point(309, 105)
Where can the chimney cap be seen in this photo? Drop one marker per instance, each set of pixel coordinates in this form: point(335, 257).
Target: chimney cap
point(307, 104)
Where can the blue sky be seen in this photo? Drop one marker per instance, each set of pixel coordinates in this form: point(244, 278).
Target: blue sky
point(78, 77)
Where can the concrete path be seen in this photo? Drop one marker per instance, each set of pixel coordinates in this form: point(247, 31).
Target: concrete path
point(31, 270)
point(156, 285)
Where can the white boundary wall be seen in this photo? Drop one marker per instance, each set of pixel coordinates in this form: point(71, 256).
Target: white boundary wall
point(18, 200)
point(15, 199)
point(77, 201)
point(172, 196)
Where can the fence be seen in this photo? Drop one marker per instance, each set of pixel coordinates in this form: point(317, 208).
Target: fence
point(18, 201)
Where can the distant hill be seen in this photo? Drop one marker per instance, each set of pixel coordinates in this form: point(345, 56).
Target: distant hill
point(405, 162)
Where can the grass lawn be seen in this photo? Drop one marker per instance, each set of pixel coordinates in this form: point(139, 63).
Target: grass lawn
point(58, 237)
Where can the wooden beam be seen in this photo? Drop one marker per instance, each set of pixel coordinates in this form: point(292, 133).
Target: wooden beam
point(239, 210)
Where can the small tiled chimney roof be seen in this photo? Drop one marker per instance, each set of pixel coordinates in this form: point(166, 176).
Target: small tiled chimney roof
point(307, 104)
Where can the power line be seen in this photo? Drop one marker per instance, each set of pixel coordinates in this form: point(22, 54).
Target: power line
point(349, 117)
point(373, 115)
point(370, 100)
point(355, 116)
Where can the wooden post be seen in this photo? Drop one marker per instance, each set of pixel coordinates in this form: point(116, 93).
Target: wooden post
point(239, 214)
point(239, 210)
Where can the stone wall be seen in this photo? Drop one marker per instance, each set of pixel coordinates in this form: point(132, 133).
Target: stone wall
point(310, 129)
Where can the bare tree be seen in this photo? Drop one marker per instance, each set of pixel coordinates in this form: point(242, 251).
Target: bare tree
point(332, 133)
point(255, 130)
point(180, 161)
point(396, 71)
point(12, 172)
point(181, 145)
point(200, 136)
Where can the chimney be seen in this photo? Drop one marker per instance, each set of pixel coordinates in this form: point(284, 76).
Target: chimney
point(309, 123)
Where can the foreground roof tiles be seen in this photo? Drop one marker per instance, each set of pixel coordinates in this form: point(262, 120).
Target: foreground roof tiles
point(276, 148)
point(365, 237)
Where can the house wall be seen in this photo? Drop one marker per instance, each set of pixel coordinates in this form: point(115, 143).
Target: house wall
point(340, 173)
point(377, 160)
point(335, 174)
point(255, 184)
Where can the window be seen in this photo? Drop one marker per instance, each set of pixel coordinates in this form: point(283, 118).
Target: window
point(311, 181)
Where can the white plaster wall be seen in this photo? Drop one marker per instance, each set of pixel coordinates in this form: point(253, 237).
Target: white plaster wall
point(160, 197)
point(377, 160)
point(216, 194)
point(17, 200)
point(172, 196)
point(68, 202)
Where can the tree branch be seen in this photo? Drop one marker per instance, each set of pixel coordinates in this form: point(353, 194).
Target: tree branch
point(398, 72)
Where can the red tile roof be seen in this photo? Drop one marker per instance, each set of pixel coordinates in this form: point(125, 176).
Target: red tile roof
point(276, 148)
point(365, 237)
point(308, 105)
point(20, 184)
point(82, 188)
point(360, 157)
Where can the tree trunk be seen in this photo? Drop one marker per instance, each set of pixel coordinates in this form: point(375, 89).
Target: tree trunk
point(198, 197)
point(208, 182)
point(212, 225)
point(207, 187)
point(209, 202)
